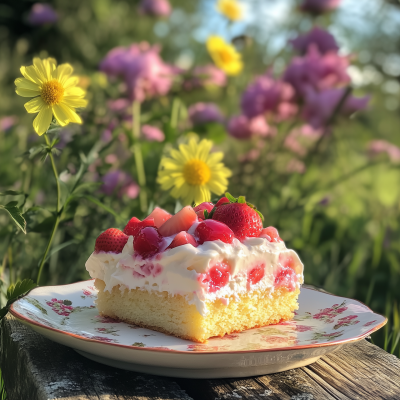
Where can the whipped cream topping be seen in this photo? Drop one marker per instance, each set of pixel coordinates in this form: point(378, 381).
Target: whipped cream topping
point(180, 271)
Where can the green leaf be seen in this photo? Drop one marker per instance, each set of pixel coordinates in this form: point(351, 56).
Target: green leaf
point(216, 133)
point(44, 226)
point(230, 197)
point(261, 216)
point(57, 248)
point(19, 289)
point(11, 193)
point(3, 312)
point(206, 214)
point(242, 200)
point(103, 206)
point(16, 215)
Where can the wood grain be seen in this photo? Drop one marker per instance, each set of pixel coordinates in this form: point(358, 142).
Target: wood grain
point(35, 368)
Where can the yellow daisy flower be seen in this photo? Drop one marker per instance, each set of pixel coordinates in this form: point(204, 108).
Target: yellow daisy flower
point(55, 93)
point(224, 55)
point(193, 172)
point(230, 8)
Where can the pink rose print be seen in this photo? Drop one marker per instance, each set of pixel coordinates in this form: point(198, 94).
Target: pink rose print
point(107, 331)
point(231, 337)
point(346, 321)
point(278, 339)
point(61, 307)
point(103, 339)
point(370, 323)
point(327, 336)
point(303, 328)
point(86, 292)
point(327, 315)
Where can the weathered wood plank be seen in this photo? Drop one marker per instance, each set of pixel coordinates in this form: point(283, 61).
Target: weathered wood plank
point(35, 368)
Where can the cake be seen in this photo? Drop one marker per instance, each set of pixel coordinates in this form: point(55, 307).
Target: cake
point(206, 271)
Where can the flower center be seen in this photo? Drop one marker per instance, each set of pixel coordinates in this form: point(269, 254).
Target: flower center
point(196, 172)
point(226, 56)
point(52, 92)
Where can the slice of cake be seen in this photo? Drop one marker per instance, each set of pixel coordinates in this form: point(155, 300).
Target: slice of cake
point(205, 271)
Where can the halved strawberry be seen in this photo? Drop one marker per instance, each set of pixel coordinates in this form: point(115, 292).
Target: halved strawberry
point(271, 234)
point(243, 218)
point(111, 240)
point(181, 221)
point(134, 226)
point(159, 215)
point(221, 201)
point(183, 238)
point(199, 210)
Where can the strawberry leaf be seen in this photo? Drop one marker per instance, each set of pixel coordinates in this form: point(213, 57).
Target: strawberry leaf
point(206, 214)
point(261, 216)
point(230, 197)
point(242, 200)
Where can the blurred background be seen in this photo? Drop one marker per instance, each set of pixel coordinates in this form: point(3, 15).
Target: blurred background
point(310, 128)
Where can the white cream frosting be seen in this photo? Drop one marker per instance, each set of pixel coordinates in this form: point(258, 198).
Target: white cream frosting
point(177, 271)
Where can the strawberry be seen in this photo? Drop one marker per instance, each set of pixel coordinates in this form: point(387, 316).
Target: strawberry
point(160, 216)
point(183, 238)
point(181, 221)
point(199, 210)
point(112, 240)
point(134, 226)
point(271, 234)
point(221, 201)
point(241, 217)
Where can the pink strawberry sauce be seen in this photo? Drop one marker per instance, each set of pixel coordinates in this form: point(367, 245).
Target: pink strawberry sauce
point(286, 276)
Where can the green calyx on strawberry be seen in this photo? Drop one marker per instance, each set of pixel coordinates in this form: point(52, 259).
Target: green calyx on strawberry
point(241, 217)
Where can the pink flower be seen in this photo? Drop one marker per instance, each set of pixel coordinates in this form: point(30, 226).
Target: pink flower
point(157, 8)
point(303, 328)
point(265, 94)
point(152, 133)
point(322, 39)
point(119, 105)
point(52, 300)
point(42, 14)
point(200, 113)
point(376, 147)
point(6, 123)
point(205, 76)
point(317, 71)
point(241, 127)
point(319, 107)
point(145, 74)
point(121, 181)
point(319, 6)
point(369, 323)
point(86, 292)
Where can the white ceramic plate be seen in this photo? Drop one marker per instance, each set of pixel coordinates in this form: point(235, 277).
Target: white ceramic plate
point(323, 323)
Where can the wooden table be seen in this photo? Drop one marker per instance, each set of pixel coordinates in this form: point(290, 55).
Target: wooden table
point(35, 368)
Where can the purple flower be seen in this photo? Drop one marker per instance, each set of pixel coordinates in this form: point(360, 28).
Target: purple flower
point(319, 107)
point(201, 113)
point(205, 76)
point(121, 181)
point(152, 133)
point(317, 71)
point(322, 39)
point(265, 94)
point(6, 123)
point(241, 127)
point(319, 6)
point(42, 14)
point(144, 72)
point(382, 146)
point(157, 8)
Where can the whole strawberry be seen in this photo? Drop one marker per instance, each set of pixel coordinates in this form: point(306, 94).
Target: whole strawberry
point(111, 240)
point(241, 217)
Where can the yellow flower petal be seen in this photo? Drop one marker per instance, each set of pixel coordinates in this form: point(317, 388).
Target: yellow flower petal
point(62, 73)
point(34, 105)
point(26, 84)
point(74, 91)
point(42, 121)
point(31, 74)
point(74, 102)
point(70, 82)
point(27, 92)
point(40, 69)
point(64, 115)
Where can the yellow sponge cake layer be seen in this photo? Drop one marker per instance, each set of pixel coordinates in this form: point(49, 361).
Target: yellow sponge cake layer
point(174, 315)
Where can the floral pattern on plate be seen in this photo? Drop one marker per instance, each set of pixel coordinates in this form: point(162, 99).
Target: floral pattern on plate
point(322, 319)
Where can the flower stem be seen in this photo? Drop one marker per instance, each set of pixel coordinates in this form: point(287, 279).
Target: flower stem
point(58, 213)
point(137, 152)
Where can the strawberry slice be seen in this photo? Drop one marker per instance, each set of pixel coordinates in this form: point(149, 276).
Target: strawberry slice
point(134, 226)
point(112, 240)
point(199, 210)
point(271, 234)
point(183, 238)
point(221, 201)
point(159, 215)
point(181, 221)
point(210, 230)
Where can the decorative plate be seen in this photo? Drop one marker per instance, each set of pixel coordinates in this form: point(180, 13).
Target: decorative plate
point(323, 323)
